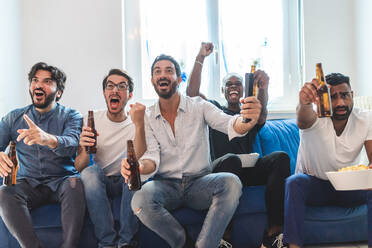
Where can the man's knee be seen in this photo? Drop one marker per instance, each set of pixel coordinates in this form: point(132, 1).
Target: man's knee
point(91, 174)
point(295, 182)
point(233, 185)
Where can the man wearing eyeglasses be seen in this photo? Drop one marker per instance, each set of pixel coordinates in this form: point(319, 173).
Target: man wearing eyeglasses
point(326, 144)
point(102, 180)
point(47, 137)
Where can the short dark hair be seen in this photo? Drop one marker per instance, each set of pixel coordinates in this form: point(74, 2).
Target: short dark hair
point(169, 58)
point(120, 73)
point(337, 78)
point(57, 75)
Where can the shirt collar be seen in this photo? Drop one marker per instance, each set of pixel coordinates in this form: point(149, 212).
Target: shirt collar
point(181, 107)
point(44, 115)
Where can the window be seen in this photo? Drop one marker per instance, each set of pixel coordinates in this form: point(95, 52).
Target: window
point(241, 30)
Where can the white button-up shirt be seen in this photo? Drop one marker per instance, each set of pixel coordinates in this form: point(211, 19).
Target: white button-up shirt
point(187, 152)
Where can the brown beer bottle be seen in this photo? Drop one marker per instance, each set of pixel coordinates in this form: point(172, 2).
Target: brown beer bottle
point(255, 86)
point(325, 106)
point(92, 149)
point(134, 181)
point(11, 178)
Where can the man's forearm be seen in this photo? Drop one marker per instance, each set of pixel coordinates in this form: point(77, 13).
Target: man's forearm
point(263, 97)
point(193, 87)
point(82, 160)
point(140, 141)
point(241, 128)
point(306, 116)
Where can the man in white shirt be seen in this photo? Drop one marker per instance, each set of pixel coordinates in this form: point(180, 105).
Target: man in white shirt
point(179, 125)
point(102, 180)
point(326, 144)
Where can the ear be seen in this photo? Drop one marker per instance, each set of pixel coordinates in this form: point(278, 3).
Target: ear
point(179, 80)
point(222, 90)
point(130, 95)
point(59, 94)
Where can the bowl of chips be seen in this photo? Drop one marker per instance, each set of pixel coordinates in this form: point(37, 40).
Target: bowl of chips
point(355, 177)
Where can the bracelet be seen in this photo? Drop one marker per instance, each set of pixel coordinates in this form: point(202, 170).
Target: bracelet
point(200, 63)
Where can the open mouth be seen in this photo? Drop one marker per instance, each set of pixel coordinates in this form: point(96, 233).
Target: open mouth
point(39, 94)
point(163, 84)
point(114, 102)
point(234, 93)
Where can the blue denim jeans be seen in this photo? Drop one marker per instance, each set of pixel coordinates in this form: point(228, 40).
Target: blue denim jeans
point(219, 192)
point(302, 190)
point(98, 191)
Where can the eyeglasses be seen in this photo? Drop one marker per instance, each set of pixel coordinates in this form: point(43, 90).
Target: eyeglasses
point(120, 87)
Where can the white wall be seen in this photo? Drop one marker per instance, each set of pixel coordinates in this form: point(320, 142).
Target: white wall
point(329, 37)
point(83, 38)
point(363, 46)
point(12, 83)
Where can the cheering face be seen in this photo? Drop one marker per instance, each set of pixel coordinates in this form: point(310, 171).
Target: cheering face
point(116, 93)
point(43, 89)
point(164, 79)
point(342, 101)
point(233, 90)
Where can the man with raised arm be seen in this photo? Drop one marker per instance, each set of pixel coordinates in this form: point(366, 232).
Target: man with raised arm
point(326, 144)
point(102, 180)
point(47, 138)
point(270, 170)
point(179, 126)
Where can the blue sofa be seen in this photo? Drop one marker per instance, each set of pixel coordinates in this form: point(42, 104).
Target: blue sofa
point(322, 224)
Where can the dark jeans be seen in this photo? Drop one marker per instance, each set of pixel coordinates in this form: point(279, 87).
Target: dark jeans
point(270, 170)
point(303, 190)
point(17, 201)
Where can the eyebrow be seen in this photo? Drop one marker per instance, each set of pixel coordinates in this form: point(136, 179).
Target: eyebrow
point(122, 82)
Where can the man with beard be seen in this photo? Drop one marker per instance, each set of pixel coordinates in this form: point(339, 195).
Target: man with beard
point(270, 170)
point(326, 144)
point(47, 137)
point(102, 180)
point(179, 125)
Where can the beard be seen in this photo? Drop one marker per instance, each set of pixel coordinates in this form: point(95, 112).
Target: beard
point(343, 116)
point(166, 95)
point(48, 99)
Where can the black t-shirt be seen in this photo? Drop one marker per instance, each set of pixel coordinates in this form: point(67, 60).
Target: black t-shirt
point(220, 144)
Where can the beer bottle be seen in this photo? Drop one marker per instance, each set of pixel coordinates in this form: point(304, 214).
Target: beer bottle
point(92, 149)
point(325, 106)
point(134, 181)
point(11, 178)
point(251, 89)
point(255, 86)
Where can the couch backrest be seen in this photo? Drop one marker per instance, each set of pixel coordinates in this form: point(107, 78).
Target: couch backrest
point(279, 135)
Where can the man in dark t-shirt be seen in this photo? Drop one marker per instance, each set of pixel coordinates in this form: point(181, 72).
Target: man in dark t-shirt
point(270, 170)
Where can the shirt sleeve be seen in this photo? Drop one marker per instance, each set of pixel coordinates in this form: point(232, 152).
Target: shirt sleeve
point(5, 131)
point(68, 142)
point(153, 149)
point(220, 121)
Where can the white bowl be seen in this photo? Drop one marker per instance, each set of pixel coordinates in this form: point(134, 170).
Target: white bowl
point(351, 180)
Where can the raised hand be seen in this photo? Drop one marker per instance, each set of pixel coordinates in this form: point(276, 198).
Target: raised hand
point(261, 79)
point(206, 49)
point(308, 93)
point(137, 113)
point(35, 135)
